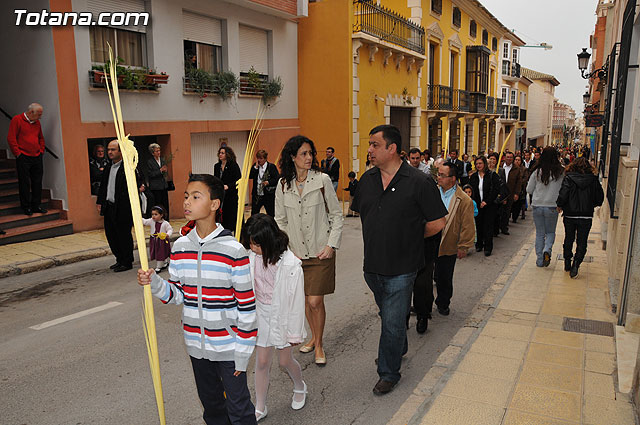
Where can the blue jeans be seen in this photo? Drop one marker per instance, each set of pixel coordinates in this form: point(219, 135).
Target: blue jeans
point(545, 219)
point(393, 297)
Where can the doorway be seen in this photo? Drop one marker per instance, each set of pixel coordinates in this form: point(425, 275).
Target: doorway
point(401, 118)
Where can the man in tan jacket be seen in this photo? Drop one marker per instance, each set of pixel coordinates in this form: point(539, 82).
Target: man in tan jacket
point(458, 235)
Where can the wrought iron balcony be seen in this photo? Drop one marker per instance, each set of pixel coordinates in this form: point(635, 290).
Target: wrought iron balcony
point(506, 67)
point(515, 70)
point(460, 100)
point(512, 112)
point(478, 103)
point(387, 25)
point(510, 69)
point(491, 104)
point(445, 98)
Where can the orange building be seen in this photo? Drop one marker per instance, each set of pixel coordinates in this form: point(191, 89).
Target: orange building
point(250, 38)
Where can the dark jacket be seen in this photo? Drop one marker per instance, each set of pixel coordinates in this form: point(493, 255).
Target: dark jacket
point(229, 177)
point(490, 187)
point(353, 186)
point(122, 204)
point(580, 194)
point(333, 171)
point(459, 164)
point(155, 176)
point(514, 183)
point(95, 174)
point(272, 178)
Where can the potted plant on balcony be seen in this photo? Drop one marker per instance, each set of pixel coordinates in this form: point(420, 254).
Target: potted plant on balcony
point(152, 77)
point(253, 83)
point(271, 90)
point(199, 80)
point(225, 84)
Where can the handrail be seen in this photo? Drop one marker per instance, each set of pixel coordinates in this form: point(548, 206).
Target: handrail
point(387, 25)
point(6, 114)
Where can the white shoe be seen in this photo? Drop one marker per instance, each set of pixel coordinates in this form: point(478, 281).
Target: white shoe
point(297, 405)
point(261, 415)
point(158, 269)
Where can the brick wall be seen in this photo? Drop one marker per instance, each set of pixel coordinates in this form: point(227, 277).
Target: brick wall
point(287, 6)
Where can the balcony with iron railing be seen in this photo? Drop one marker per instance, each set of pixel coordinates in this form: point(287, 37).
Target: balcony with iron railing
point(478, 103)
point(510, 113)
point(386, 25)
point(510, 71)
point(445, 98)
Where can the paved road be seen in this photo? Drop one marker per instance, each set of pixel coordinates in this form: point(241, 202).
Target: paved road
point(94, 370)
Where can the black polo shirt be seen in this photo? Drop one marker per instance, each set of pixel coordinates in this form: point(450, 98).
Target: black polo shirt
point(393, 220)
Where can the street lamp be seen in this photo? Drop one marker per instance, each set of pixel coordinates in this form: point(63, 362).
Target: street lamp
point(583, 64)
point(586, 97)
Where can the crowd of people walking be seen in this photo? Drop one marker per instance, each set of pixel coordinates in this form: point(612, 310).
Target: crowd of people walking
point(278, 274)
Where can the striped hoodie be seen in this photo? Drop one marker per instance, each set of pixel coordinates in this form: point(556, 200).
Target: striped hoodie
point(211, 278)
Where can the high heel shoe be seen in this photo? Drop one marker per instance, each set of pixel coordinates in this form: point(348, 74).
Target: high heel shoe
point(307, 348)
point(297, 405)
point(262, 415)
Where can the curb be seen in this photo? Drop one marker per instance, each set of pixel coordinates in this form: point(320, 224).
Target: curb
point(425, 393)
point(61, 260)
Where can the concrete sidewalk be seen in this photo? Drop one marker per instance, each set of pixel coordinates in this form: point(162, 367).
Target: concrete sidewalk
point(26, 257)
point(514, 364)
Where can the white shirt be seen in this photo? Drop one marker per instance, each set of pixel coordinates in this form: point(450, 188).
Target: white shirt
point(526, 163)
point(158, 161)
point(261, 170)
point(111, 185)
point(480, 187)
point(211, 235)
point(507, 169)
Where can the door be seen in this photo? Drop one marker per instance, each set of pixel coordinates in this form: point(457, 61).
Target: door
point(401, 118)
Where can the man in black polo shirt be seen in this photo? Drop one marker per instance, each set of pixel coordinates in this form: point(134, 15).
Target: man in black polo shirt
point(399, 206)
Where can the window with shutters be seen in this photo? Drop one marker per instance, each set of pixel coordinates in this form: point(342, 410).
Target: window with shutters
point(494, 44)
point(202, 42)
point(473, 29)
point(505, 95)
point(505, 51)
point(485, 37)
point(457, 17)
point(254, 59)
point(515, 56)
point(478, 69)
point(128, 42)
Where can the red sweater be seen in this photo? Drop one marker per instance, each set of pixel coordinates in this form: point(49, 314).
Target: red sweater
point(25, 137)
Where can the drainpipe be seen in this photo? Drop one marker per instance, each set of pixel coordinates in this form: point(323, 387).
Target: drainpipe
point(630, 254)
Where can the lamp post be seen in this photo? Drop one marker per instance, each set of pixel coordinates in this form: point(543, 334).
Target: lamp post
point(586, 97)
point(583, 64)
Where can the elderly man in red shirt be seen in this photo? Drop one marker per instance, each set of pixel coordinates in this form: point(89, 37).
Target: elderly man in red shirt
point(27, 144)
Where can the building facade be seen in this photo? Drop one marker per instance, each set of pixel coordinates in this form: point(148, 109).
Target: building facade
point(540, 104)
point(563, 124)
point(436, 75)
point(256, 40)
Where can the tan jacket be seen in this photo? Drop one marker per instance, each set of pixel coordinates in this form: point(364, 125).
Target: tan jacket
point(460, 231)
point(305, 218)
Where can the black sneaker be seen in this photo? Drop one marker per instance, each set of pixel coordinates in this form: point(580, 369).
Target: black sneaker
point(444, 311)
point(383, 387)
point(546, 260)
point(573, 273)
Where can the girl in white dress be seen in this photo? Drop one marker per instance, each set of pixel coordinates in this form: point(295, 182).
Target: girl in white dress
point(278, 283)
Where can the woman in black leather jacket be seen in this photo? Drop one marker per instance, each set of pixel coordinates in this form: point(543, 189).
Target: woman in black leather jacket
point(486, 185)
point(580, 193)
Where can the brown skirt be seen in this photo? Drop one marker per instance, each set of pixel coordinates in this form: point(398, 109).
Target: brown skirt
point(319, 276)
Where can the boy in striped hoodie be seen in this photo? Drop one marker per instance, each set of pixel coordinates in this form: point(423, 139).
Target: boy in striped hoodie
point(210, 276)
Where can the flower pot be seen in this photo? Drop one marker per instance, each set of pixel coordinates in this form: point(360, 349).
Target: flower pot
point(156, 79)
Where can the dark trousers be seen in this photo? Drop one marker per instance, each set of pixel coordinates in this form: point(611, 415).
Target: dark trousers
point(30, 170)
point(118, 235)
point(393, 296)
point(505, 213)
point(213, 381)
point(423, 286)
point(484, 227)
point(576, 229)
point(161, 198)
point(443, 275)
point(517, 209)
point(269, 202)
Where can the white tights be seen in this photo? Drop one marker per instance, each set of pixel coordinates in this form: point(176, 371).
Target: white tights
point(264, 357)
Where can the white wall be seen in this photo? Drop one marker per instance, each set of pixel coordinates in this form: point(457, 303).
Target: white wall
point(29, 75)
point(538, 119)
point(165, 53)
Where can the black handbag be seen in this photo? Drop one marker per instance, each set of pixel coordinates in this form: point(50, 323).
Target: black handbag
point(170, 186)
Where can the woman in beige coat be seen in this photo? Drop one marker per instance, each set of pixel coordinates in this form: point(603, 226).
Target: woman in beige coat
point(307, 209)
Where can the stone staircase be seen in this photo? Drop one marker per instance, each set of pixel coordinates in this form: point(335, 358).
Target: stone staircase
point(18, 226)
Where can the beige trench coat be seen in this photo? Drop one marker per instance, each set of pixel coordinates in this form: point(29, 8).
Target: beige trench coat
point(304, 217)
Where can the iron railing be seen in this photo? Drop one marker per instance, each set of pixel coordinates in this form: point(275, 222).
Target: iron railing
point(250, 87)
point(611, 68)
point(506, 67)
point(387, 25)
point(491, 104)
point(445, 98)
point(460, 100)
point(510, 112)
point(515, 70)
point(478, 103)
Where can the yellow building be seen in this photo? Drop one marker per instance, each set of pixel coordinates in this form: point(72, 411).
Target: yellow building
point(430, 67)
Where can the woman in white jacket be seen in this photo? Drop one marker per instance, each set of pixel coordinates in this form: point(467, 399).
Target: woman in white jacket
point(278, 283)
